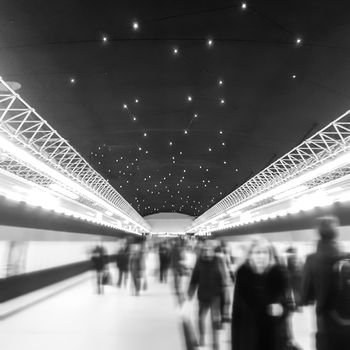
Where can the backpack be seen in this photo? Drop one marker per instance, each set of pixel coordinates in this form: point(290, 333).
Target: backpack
point(341, 291)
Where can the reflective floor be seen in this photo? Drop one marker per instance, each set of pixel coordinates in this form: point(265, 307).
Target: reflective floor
point(79, 319)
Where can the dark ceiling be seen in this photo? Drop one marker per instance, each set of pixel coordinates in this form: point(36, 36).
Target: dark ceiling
point(79, 83)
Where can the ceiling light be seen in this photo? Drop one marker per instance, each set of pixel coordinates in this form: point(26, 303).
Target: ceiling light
point(134, 119)
point(186, 132)
point(104, 39)
point(210, 42)
point(135, 25)
point(136, 100)
point(221, 82)
point(196, 115)
point(144, 134)
point(294, 76)
point(175, 50)
point(222, 101)
point(244, 6)
point(72, 80)
point(125, 106)
point(299, 41)
point(189, 98)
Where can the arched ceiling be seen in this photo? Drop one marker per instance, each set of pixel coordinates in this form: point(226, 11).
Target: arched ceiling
point(173, 120)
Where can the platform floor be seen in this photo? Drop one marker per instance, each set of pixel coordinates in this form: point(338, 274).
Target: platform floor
point(78, 319)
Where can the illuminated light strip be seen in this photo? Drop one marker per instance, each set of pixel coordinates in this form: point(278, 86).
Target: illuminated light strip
point(31, 161)
point(59, 210)
point(330, 141)
point(26, 197)
point(291, 192)
point(294, 209)
point(329, 166)
point(22, 123)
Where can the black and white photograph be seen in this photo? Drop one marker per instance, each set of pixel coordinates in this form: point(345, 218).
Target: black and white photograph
point(174, 175)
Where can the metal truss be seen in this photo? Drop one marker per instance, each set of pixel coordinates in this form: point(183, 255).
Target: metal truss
point(328, 143)
point(21, 124)
point(24, 172)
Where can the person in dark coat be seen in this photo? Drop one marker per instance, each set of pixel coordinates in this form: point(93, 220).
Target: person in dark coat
point(208, 278)
point(260, 304)
point(295, 269)
point(99, 261)
point(317, 287)
point(123, 264)
point(164, 262)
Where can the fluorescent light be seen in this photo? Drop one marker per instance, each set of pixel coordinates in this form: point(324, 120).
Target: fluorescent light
point(291, 192)
point(63, 191)
point(322, 169)
point(33, 162)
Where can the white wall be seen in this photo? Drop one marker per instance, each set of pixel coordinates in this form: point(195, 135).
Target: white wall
point(34, 249)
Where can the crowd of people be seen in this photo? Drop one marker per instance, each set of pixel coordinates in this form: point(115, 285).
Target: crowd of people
point(256, 293)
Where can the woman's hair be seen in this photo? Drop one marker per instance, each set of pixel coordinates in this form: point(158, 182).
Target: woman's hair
point(263, 242)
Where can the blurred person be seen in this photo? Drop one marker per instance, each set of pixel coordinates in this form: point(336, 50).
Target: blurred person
point(179, 269)
point(225, 291)
point(99, 261)
point(123, 264)
point(164, 261)
point(294, 268)
point(208, 278)
point(137, 267)
point(326, 282)
point(144, 256)
point(261, 304)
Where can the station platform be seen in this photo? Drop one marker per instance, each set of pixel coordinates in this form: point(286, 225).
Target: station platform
point(77, 318)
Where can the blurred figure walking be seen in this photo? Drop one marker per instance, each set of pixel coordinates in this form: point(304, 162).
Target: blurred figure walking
point(179, 268)
point(99, 261)
point(260, 303)
point(208, 278)
point(137, 267)
point(164, 261)
point(295, 270)
point(123, 264)
point(225, 300)
point(326, 281)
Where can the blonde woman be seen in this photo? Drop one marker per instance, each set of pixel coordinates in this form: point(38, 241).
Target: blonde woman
point(260, 303)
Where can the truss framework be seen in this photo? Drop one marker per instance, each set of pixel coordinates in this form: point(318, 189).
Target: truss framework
point(331, 141)
point(21, 124)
